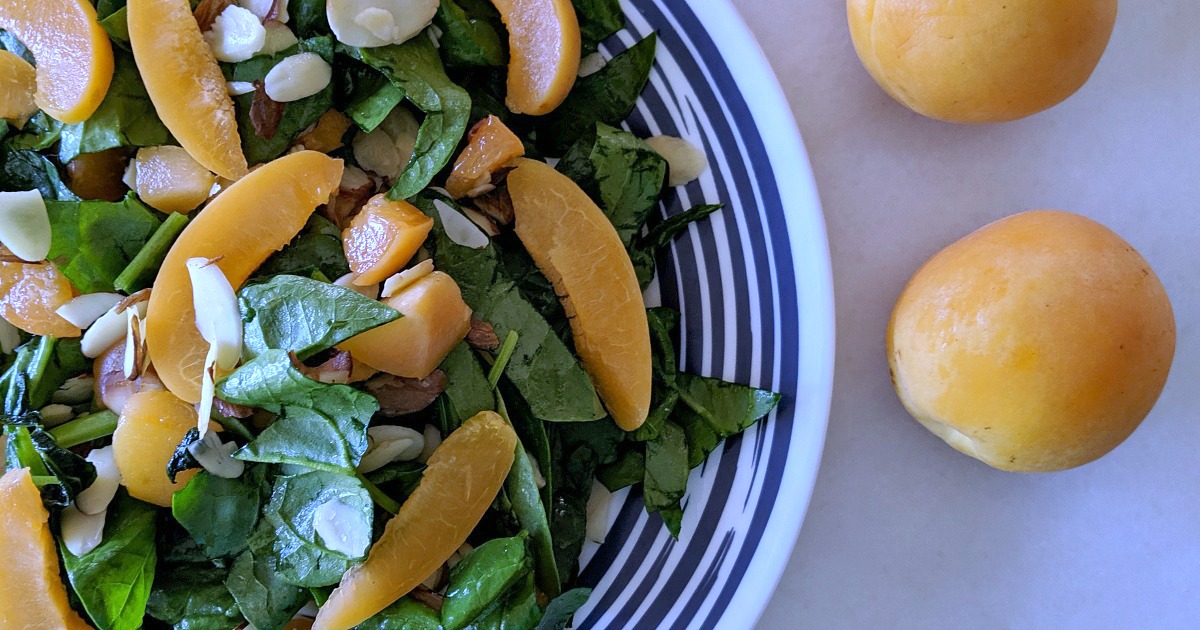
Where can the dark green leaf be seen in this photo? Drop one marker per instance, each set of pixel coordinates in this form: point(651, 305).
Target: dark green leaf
point(297, 115)
point(368, 110)
point(562, 608)
point(526, 499)
point(125, 118)
point(628, 470)
point(94, 241)
point(265, 599)
point(713, 410)
point(645, 249)
point(105, 8)
point(220, 513)
point(620, 172)
point(29, 170)
point(415, 67)
point(306, 316)
point(140, 272)
point(303, 558)
point(518, 610)
point(397, 479)
point(193, 597)
point(468, 392)
point(667, 474)
point(321, 426)
point(39, 368)
point(406, 614)
point(306, 255)
point(468, 40)
point(182, 458)
point(117, 27)
point(9, 42)
point(481, 578)
point(598, 19)
point(308, 17)
point(39, 133)
point(113, 580)
point(606, 96)
point(71, 471)
point(568, 526)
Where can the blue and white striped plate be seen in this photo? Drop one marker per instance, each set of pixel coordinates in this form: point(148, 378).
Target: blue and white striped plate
point(755, 290)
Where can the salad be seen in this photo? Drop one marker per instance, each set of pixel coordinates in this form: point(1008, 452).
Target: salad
point(329, 313)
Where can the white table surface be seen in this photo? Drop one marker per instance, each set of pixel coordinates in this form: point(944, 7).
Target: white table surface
point(904, 532)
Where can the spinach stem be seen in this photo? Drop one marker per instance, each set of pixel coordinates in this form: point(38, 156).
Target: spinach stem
point(137, 274)
point(382, 500)
point(85, 429)
point(502, 357)
point(44, 480)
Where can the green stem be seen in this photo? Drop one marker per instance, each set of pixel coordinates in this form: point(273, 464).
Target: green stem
point(502, 357)
point(139, 274)
point(44, 480)
point(85, 429)
point(377, 495)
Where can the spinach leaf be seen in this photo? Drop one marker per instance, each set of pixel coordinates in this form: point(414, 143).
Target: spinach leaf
point(263, 597)
point(125, 118)
point(308, 17)
point(628, 470)
point(19, 452)
point(140, 272)
point(39, 133)
point(713, 410)
point(105, 8)
point(405, 614)
point(397, 479)
point(39, 368)
point(481, 578)
point(38, 450)
point(9, 42)
point(94, 241)
point(666, 475)
point(193, 597)
point(518, 610)
point(645, 249)
point(560, 610)
point(526, 500)
point(579, 448)
point(306, 316)
point(29, 170)
point(182, 459)
point(117, 27)
point(321, 426)
point(368, 110)
point(468, 392)
point(415, 67)
point(619, 172)
point(220, 513)
point(606, 96)
point(302, 557)
point(568, 526)
point(318, 248)
point(542, 368)
point(113, 580)
point(598, 19)
point(297, 115)
point(468, 40)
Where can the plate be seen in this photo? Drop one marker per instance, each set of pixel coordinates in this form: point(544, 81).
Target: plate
point(755, 290)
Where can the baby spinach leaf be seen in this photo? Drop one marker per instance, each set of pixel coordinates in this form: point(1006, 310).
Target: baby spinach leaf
point(113, 580)
point(39, 133)
point(568, 526)
point(415, 67)
point(125, 118)
point(94, 241)
point(598, 19)
point(467, 39)
point(193, 597)
point(39, 368)
point(712, 410)
point(397, 479)
point(645, 249)
point(117, 27)
point(526, 499)
point(303, 558)
point(628, 470)
point(606, 96)
point(306, 316)
point(321, 426)
point(560, 610)
point(620, 172)
point(314, 250)
point(667, 474)
point(220, 513)
point(297, 115)
point(517, 610)
point(482, 577)
point(468, 392)
point(140, 272)
point(369, 109)
point(308, 17)
point(45, 457)
point(105, 8)
point(263, 597)
point(182, 459)
point(405, 614)
point(29, 170)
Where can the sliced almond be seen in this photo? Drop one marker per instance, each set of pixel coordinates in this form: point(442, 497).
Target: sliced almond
point(296, 77)
point(95, 499)
point(341, 528)
point(370, 291)
point(459, 228)
point(685, 162)
point(84, 310)
point(25, 225)
point(397, 283)
point(81, 533)
point(108, 331)
point(236, 35)
point(218, 317)
point(598, 506)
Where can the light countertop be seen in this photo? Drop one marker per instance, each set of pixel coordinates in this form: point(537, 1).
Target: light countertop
point(904, 532)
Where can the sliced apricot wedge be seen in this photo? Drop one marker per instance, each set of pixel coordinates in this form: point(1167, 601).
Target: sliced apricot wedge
point(241, 227)
point(185, 83)
point(32, 594)
point(490, 145)
point(544, 47)
point(579, 250)
point(169, 180)
point(383, 237)
point(18, 84)
point(152, 424)
point(30, 293)
point(463, 477)
point(74, 57)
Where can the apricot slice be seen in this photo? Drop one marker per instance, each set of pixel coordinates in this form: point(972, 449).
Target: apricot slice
point(169, 180)
point(31, 593)
point(435, 320)
point(242, 226)
point(73, 54)
point(152, 424)
point(578, 249)
point(463, 476)
point(30, 293)
point(326, 136)
point(383, 237)
point(490, 144)
point(185, 84)
point(544, 47)
point(18, 82)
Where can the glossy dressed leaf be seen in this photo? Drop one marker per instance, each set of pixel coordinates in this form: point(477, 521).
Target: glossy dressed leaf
point(220, 513)
point(560, 610)
point(369, 109)
point(711, 410)
point(598, 19)
point(307, 255)
point(94, 241)
point(113, 580)
point(628, 470)
point(667, 474)
point(29, 170)
point(193, 596)
point(405, 614)
point(482, 577)
point(468, 392)
point(182, 459)
point(518, 610)
point(39, 368)
point(467, 39)
point(45, 457)
point(306, 316)
point(303, 558)
point(263, 597)
point(125, 118)
point(646, 248)
point(526, 499)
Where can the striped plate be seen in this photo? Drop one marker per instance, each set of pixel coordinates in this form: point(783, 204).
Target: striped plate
point(755, 290)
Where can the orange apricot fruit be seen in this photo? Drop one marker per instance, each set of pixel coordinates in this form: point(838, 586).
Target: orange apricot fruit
point(18, 84)
point(169, 180)
point(490, 145)
point(544, 48)
point(383, 237)
point(152, 424)
point(30, 293)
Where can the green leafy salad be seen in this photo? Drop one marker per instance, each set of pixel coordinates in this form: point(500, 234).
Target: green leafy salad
point(342, 369)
